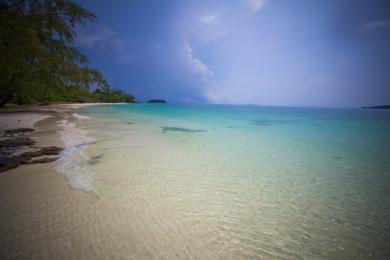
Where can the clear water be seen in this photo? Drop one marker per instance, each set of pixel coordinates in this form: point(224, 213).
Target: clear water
point(242, 182)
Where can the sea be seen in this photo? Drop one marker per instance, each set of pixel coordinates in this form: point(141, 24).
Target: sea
point(201, 181)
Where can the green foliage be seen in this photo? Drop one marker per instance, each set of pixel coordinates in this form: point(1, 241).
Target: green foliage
point(113, 96)
point(39, 62)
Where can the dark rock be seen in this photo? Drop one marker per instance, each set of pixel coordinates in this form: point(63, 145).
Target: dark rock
point(17, 142)
point(33, 153)
point(179, 129)
point(41, 155)
point(7, 163)
point(42, 160)
point(8, 166)
point(19, 130)
point(51, 150)
point(19, 149)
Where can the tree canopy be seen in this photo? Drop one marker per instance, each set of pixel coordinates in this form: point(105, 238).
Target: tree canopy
point(39, 62)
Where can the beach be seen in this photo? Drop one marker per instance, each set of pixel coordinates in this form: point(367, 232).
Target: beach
point(150, 181)
point(42, 217)
point(33, 197)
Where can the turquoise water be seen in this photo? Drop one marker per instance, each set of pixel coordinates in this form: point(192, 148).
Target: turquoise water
point(219, 181)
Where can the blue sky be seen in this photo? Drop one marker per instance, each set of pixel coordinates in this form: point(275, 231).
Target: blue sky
point(270, 52)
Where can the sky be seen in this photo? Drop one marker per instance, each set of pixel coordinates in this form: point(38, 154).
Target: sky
point(326, 53)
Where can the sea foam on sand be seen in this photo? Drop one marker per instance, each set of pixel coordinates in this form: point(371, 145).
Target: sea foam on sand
point(80, 117)
point(73, 159)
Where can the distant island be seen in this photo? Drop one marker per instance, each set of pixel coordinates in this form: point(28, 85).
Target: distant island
point(157, 101)
point(379, 107)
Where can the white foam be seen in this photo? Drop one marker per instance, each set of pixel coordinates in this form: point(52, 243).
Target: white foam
point(80, 117)
point(73, 160)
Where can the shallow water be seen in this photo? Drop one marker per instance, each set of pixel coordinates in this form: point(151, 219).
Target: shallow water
point(239, 182)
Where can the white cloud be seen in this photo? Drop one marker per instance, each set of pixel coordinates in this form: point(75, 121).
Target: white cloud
point(376, 25)
point(204, 74)
point(211, 26)
point(211, 19)
point(256, 5)
point(197, 66)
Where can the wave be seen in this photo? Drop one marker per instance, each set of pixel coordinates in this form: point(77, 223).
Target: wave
point(73, 160)
point(80, 117)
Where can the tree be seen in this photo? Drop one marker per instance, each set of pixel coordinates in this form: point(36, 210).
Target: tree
point(38, 58)
point(113, 96)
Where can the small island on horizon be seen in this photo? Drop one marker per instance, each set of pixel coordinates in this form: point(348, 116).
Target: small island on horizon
point(378, 107)
point(157, 101)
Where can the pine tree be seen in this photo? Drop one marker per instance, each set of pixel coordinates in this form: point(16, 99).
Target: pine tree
point(38, 59)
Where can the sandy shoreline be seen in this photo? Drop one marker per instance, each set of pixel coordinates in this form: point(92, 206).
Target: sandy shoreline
point(180, 195)
point(42, 217)
point(32, 197)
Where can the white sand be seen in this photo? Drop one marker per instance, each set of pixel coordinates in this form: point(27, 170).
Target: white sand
point(20, 120)
point(27, 116)
point(39, 212)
